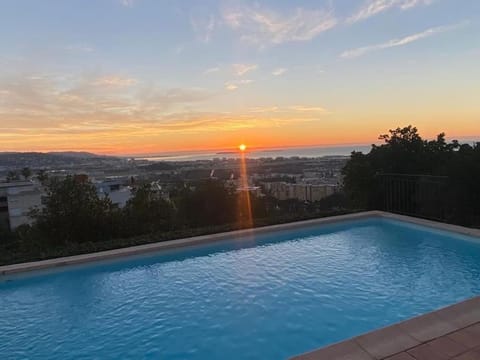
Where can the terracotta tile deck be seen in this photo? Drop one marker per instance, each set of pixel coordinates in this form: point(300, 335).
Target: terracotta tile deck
point(452, 333)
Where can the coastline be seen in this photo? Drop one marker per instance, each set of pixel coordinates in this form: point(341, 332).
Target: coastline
point(318, 151)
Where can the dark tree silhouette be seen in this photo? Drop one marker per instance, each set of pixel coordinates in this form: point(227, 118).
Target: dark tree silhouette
point(26, 173)
point(73, 213)
point(42, 176)
point(208, 203)
point(405, 152)
point(147, 212)
point(12, 176)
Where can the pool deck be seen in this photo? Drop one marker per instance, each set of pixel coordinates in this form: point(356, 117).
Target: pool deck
point(449, 333)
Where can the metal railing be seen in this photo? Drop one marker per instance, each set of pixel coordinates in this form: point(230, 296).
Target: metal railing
point(415, 195)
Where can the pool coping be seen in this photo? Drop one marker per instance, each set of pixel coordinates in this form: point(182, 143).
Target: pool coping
point(172, 244)
point(205, 239)
point(450, 333)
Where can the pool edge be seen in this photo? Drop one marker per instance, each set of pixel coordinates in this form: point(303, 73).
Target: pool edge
point(431, 224)
point(402, 339)
point(177, 243)
point(426, 335)
point(205, 239)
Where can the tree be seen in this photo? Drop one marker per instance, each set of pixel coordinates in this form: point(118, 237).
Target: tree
point(359, 179)
point(12, 175)
point(404, 152)
point(147, 212)
point(26, 173)
point(73, 213)
point(42, 176)
point(208, 203)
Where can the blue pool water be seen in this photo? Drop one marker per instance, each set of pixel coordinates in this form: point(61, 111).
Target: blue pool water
point(270, 297)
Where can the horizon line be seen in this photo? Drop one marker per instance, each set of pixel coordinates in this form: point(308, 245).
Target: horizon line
point(465, 138)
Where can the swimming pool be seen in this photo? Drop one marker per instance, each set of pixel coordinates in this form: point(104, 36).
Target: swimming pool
point(272, 296)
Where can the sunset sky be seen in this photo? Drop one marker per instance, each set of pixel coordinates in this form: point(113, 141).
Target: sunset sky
point(149, 76)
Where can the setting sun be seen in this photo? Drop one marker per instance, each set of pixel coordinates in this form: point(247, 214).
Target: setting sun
point(242, 147)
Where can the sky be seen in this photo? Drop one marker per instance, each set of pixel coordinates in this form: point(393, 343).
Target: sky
point(153, 76)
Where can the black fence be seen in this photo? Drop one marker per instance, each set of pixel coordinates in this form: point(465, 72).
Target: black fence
point(430, 197)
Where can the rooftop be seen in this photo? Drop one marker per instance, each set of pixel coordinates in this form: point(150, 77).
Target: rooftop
point(15, 184)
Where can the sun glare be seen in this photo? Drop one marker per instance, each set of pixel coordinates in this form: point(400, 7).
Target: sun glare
point(242, 147)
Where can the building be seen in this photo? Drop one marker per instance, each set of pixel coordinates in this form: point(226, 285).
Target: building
point(115, 189)
point(120, 197)
point(252, 190)
point(279, 190)
point(318, 192)
point(301, 192)
point(17, 199)
point(161, 191)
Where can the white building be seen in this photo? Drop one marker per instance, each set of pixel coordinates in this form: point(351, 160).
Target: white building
point(17, 199)
point(115, 190)
point(120, 197)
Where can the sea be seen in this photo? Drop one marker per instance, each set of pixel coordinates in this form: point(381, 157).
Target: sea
point(310, 152)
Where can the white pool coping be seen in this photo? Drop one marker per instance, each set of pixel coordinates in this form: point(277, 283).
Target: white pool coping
point(205, 239)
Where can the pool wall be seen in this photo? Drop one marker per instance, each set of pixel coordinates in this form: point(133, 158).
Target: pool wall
point(245, 233)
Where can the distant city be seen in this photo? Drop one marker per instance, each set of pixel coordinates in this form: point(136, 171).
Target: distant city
point(303, 178)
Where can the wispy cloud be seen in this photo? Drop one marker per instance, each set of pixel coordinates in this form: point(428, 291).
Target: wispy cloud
point(279, 71)
point(86, 116)
point(235, 84)
point(302, 108)
point(269, 109)
point(40, 100)
point(264, 27)
point(231, 86)
point(114, 81)
point(374, 7)
point(79, 48)
point(102, 113)
point(178, 49)
point(353, 53)
point(242, 69)
point(203, 26)
point(211, 70)
point(127, 3)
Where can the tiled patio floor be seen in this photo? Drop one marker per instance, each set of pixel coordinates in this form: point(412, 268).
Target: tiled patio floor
point(445, 334)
